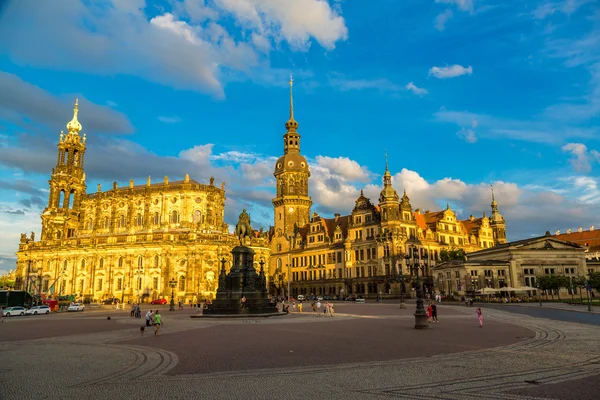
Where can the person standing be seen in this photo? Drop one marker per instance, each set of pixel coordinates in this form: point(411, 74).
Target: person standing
point(434, 317)
point(479, 317)
point(318, 308)
point(148, 316)
point(157, 322)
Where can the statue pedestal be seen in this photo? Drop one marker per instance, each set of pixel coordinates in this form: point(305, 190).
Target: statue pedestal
point(242, 281)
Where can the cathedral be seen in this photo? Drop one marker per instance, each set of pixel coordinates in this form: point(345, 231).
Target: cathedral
point(135, 243)
point(365, 252)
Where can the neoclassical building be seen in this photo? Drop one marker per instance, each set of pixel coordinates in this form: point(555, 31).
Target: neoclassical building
point(126, 242)
point(359, 253)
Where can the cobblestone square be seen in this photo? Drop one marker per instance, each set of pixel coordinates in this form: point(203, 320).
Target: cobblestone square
point(364, 351)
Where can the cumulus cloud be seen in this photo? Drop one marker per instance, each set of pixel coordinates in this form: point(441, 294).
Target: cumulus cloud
point(581, 158)
point(184, 47)
point(416, 90)
point(442, 18)
point(344, 167)
point(450, 71)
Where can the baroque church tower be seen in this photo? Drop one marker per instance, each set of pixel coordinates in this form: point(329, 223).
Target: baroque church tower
point(292, 203)
point(389, 202)
point(497, 223)
point(67, 184)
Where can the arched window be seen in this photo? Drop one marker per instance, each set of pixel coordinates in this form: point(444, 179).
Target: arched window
point(197, 217)
point(106, 223)
point(61, 199)
point(65, 264)
point(174, 217)
point(120, 262)
point(71, 199)
point(139, 221)
point(279, 247)
point(83, 264)
point(90, 224)
point(121, 221)
point(156, 261)
point(156, 219)
point(140, 262)
point(101, 263)
point(182, 283)
point(139, 283)
point(279, 263)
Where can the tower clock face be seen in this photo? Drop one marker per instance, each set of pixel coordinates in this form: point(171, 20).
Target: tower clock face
point(291, 209)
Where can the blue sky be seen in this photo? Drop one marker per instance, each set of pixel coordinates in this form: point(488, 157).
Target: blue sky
point(461, 93)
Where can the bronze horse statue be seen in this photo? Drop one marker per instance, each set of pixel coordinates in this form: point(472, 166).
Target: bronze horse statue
point(243, 228)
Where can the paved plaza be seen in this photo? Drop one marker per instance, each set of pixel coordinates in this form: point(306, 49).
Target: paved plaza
point(365, 351)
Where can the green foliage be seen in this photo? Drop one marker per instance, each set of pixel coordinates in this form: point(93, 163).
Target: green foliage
point(594, 280)
point(452, 254)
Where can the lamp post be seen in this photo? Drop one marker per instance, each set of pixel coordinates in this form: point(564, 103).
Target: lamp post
point(412, 259)
point(402, 303)
point(172, 283)
point(588, 289)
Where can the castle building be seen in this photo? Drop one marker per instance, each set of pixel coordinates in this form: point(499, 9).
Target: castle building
point(130, 243)
point(362, 253)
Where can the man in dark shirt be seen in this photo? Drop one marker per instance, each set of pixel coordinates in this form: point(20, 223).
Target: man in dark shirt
point(434, 317)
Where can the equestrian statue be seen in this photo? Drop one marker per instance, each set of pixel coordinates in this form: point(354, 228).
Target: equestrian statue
point(243, 229)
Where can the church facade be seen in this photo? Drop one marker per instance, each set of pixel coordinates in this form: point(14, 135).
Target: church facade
point(130, 243)
point(364, 252)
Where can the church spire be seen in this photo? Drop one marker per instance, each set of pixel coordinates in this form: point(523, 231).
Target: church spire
point(74, 126)
point(387, 177)
point(291, 125)
point(494, 203)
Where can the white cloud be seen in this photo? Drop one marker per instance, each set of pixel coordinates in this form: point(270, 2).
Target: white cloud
point(343, 83)
point(344, 167)
point(467, 134)
point(450, 71)
point(416, 90)
point(581, 158)
point(169, 120)
point(296, 21)
point(442, 18)
point(537, 130)
point(566, 7)
point(185, 48)
point(463, 5)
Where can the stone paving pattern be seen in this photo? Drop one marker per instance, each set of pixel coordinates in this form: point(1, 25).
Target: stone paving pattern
point(363, 352)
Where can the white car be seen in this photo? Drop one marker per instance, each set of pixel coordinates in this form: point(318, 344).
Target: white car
point(75, 307)
point(35, 310)
point(7, 312)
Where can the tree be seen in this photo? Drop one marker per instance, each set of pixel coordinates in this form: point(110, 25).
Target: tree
point(452, 254)
point(594, 280)
point(545, 284)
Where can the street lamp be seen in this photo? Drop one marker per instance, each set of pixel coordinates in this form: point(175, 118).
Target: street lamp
point(402, 304)
point(172, 283)
point(412, 259)
point(539, 293)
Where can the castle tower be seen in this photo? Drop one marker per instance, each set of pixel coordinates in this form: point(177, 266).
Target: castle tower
point(67, 184)
point(389, 202)
point(497, 223)
point(292, 203)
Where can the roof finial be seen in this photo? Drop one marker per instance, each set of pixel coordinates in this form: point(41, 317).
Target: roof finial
point(492, 187)
point(447, 206)
point(386, 159)
point(291, 98)
point(74, 126)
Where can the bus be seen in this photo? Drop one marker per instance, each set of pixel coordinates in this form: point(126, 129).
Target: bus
point(14, 298)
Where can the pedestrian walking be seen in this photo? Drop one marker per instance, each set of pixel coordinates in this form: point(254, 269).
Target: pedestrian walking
point(319, 308)
point(148, 316)
point(429, 312)
point(157, 322)
point(314, 306)
point(479, 317)
point(300, 306)
point(434, 317)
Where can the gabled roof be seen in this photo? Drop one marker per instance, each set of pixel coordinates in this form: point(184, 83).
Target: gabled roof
point(585, 238)
point(549, 243)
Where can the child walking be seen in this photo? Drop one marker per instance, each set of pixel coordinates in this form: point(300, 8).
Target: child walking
point(479, 317)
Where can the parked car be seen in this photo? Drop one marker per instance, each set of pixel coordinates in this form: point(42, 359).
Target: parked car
point(35, 310)
point(159, 301)
point(7, 312)
point(75, 307)
point(301, 297)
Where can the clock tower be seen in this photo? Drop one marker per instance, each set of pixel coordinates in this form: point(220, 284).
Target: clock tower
point(292, 203)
